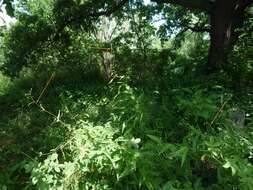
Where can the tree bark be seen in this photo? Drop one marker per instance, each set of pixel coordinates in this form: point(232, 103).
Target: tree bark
point(221, 22)
point(226, 17)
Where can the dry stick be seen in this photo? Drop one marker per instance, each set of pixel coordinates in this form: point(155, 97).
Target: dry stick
point(44, 110)
point(218, 113)
point(44, 89)
point(36, 102)
point(115, 76)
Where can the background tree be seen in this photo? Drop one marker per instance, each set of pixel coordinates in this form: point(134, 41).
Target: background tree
point(223, 20)
point(226, 18)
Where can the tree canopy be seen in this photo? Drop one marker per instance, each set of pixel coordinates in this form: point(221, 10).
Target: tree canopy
point(223, 21)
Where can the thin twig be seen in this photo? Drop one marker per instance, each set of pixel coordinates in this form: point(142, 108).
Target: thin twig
point(44, 110)
point(44, 89)
point(218, 113)
point(36, 102)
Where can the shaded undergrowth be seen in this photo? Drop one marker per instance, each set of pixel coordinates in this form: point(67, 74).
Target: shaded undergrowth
point(86, 134)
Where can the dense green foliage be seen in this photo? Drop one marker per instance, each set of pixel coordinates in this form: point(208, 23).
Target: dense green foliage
point(115, 103)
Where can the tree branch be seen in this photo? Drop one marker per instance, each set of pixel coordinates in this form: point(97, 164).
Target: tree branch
point(115, 8)
point(203, 5)
point(107, 13)
point(197, 28)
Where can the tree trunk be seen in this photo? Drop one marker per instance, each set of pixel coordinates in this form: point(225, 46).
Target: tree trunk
point(226, 17)
point(107, 58)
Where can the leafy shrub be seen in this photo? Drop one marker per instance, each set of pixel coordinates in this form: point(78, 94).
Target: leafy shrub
point(94, 157)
